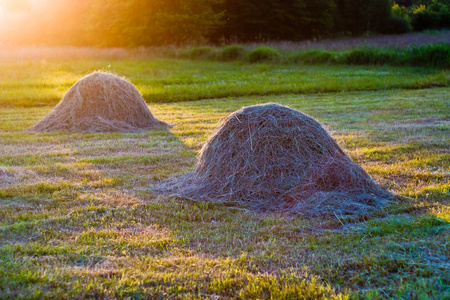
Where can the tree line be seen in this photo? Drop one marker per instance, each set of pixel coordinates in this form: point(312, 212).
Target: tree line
point(132, 23)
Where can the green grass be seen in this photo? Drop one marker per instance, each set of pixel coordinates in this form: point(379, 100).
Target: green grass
point(434, 56)
point(77, 218)
point(35, 82)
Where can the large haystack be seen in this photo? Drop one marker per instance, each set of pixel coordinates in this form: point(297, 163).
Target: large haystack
point(274, 158)
point(100, 102)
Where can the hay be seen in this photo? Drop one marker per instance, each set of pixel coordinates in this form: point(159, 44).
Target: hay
point(5, 177)
point(12, 176)
point(100, 102)
point(274, 158)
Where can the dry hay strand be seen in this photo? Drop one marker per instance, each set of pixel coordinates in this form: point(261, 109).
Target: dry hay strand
point(14, 175)
point(100, 102)
point(274, 158)
point(5, 177)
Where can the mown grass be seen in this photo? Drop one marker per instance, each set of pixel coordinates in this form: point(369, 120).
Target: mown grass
point(77, 218)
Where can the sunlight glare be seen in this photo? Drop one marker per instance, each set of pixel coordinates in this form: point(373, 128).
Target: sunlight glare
point(27, 20)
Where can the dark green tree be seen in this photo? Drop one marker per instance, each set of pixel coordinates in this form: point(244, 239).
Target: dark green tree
point(364, 16)
point(283, 19)
point(151, 22)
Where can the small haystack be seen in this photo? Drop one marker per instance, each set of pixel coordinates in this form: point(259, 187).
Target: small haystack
point(274, 158)
point(100, 102)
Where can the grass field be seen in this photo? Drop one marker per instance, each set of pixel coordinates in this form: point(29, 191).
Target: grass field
point(77, 218)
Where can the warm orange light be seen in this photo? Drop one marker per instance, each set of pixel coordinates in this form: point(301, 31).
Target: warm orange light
point(15, 5)
point(56, 22)
point(13, 14)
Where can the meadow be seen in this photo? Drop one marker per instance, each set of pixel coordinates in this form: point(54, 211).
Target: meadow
point(78, 217)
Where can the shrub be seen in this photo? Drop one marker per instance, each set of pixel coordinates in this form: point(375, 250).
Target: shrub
point(399, 11)
point(422, 20)
point(398, 25)
point(369, 56)
point(201, 53)
point(435, 16)
point(431, 56)
point(358, 56)
point(263, 53)
point(436, 56)
point(232, 52)
point(313, 57)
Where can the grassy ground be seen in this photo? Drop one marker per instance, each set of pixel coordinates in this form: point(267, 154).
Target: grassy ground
point(77, 218)
point(43, 81)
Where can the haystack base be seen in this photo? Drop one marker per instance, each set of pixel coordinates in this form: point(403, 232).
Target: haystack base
point(274, 158)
